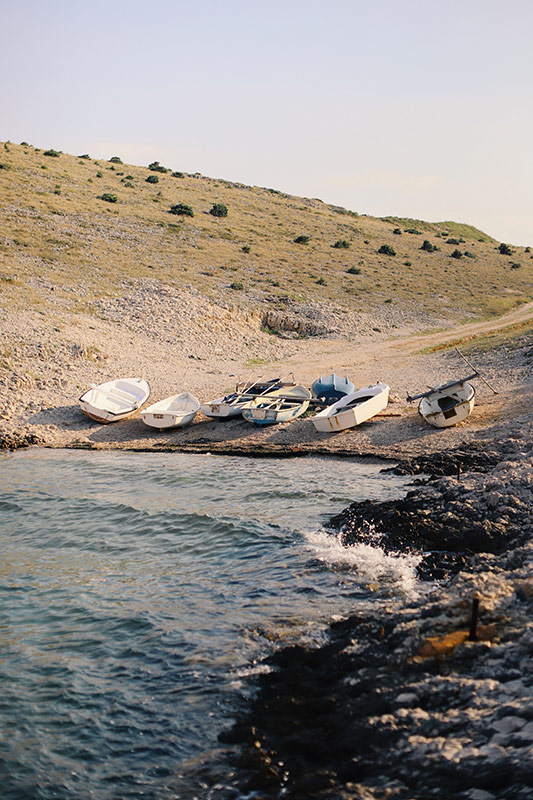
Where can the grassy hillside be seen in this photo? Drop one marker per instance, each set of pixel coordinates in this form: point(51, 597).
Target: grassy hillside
point(58, 233)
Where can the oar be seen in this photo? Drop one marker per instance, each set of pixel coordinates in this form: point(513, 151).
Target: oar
point(477, 372)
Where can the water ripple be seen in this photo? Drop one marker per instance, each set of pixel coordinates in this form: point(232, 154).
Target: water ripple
point(139, 591)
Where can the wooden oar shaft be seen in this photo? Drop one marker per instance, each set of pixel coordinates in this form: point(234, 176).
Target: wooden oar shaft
point(478, 374)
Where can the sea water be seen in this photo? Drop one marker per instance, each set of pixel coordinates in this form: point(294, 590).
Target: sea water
point(139, 593)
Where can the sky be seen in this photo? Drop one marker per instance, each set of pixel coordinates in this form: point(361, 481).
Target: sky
point(409, 108)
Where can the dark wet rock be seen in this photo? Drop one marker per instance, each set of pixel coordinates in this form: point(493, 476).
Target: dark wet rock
point(473, 457)
point(429, 522)
point(15, 441)
point(483, 509)
point(356, 718)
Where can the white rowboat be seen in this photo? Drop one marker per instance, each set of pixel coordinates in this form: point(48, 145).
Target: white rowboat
point(172, 412)
point(114, 400)
point(447, 405)
point(231, 405)
point(281, 405)
point(353, 409)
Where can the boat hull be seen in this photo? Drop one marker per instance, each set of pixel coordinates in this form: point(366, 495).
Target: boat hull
point(352, 410)
point(173, 412)
point(282, 405)
point(332, 388)
point(114, 400)
point(221, 409)
point(232, 404)
point(445, 409)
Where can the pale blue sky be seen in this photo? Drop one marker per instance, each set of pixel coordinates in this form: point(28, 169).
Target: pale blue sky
point(419, 108)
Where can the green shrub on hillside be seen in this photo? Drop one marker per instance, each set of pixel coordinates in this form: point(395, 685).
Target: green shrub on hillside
point(505, 250)
point(236, 285)
point(516, 265)
point(245, 248)
point(155, 166)
point(387, 250)
point(177, 174)
point(322, 282)
point(152, 179)
point(108, 197)
point(52, 153)
point(397, 231)
point(218, 210)
point(116, 160)
point(428, 247)
point(456, 254)
point(182, 209)
point(85, 155)
point(342, 244)
point(413, 231)
point(353, 271)
point(302, 239)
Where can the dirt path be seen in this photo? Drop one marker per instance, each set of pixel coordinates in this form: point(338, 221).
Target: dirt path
point(394, 360)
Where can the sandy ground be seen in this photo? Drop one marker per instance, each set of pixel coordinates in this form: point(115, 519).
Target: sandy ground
point(182, 342)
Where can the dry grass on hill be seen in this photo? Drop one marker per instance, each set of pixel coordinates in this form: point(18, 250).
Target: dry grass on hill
point(58, 232)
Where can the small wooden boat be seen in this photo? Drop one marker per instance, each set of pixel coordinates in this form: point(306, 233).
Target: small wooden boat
point(331, 388)
point(232, 404)
point(173, 412)
point(281, 405)
point(446, 405)
point(353, 409)
point(114, 400)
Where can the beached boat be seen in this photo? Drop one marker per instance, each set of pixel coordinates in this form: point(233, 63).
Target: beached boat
point(331, 388)
point(281, 405)
point(353, 409)
point(172, 412)
point(232, 404)
point(446, 405)
point(114, 400)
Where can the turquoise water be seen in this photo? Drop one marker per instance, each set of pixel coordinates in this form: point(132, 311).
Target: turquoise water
point(139, 591)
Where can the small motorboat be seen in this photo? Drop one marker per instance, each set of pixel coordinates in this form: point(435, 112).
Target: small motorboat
point(281, 405)
point(352, 409)
point(114, 400)
point(446, 405)
point(331, 388)
point(172, 412)
point(232, 404)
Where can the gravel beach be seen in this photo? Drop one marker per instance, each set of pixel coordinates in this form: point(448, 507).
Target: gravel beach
point(409, 703)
